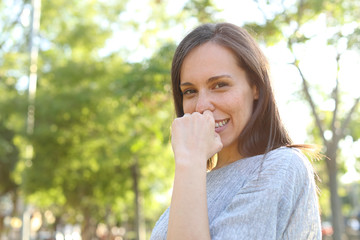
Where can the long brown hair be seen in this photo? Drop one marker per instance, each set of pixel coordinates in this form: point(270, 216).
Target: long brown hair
point(264, 131)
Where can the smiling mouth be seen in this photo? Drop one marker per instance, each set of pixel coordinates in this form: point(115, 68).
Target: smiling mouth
point(221, 123)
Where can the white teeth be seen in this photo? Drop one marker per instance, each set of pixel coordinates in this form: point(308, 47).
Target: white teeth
point(220, 124)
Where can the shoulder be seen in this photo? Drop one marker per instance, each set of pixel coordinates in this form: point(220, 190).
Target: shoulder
point(298, 202)
point(295, 176)
point(286, 154)
point(285, 166)
point(287, 159)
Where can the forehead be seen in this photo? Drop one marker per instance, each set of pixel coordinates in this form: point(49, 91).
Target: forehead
point(208, 60)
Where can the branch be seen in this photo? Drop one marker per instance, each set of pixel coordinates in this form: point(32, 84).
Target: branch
point(311, 102)
point(300, 11)
point(12, 24)
point(261, 10)
point(304, 82)
point(287, 18)
point(346, 121)
point(335, 95)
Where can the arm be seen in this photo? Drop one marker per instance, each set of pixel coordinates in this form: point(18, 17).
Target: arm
point(188, 210)
point(194, 141)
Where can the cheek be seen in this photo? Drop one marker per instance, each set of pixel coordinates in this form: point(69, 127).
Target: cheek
point(241, 108)
point(188, 106)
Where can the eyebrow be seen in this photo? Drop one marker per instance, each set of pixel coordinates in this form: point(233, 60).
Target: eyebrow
point(212, 79)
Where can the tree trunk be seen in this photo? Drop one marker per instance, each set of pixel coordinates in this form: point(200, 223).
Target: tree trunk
point(1, 225)
point(87, 228)
point(335, 201)
point(138, 221)
point(55, 225)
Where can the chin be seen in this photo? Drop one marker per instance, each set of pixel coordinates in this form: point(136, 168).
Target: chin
point(225, 143)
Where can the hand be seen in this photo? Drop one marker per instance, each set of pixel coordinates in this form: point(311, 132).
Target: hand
point(193, 138)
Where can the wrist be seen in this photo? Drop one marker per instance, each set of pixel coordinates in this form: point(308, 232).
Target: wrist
point(191, 162)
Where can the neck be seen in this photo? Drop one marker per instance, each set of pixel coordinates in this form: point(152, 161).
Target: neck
point(227, 155)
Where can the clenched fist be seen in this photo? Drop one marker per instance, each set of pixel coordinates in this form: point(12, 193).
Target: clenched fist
point(193, 138)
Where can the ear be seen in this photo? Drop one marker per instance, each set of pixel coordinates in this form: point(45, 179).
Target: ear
point(255, 92)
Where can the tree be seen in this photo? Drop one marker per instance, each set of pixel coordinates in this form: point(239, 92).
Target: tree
point(101, 134)
point(13, 62)
point(8, 159)
point(292, 25)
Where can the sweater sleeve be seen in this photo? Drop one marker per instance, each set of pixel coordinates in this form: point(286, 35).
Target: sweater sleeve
point(279, 202)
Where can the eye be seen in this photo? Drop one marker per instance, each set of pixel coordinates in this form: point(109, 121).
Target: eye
point(188, 91)
point(220, 84)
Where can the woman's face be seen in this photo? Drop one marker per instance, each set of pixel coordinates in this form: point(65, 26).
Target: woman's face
point(212, 80)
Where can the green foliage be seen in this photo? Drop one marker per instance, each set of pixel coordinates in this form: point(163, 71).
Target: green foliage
point(13, 64)
point(8, 158)
point(270, 33)
point(203, 10)
point(95, 117)
point(354, 130)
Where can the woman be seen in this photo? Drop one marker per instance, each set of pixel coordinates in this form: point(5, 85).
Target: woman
point(261, 186)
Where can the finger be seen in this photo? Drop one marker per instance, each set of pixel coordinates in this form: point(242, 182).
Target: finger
point(209, 114)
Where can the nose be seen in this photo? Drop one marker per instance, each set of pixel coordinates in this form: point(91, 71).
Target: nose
point(203, 103)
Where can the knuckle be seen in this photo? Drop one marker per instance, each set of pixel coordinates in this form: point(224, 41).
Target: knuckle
point(197, 114)
point(175, 122)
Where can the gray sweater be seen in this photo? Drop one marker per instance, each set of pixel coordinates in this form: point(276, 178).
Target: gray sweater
point(270, 196)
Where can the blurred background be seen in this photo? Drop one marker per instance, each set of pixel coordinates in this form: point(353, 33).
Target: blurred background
point(86, 107)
